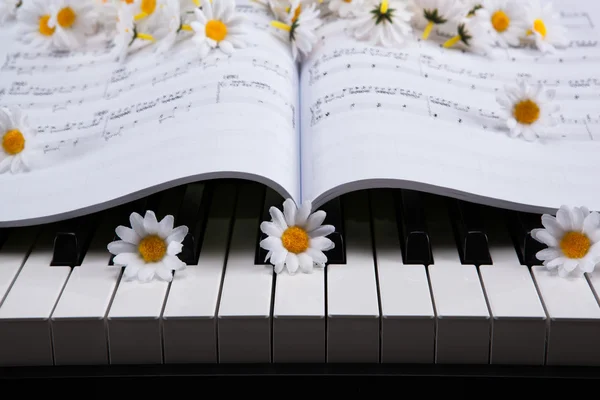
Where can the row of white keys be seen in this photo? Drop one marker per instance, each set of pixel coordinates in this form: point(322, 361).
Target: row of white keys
point(519, 319)
point(407, 315)
point(463, 318)
point(244, 315)
point(25, 331)
point(189, 317)
point(573, 318)
point(352, 296)
point(298, 312)
point(79, 319)
point(134, 319)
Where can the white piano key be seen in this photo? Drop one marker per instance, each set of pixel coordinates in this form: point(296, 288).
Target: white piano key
point(573, 319)
point(79, 319)
point(299, 318)
point(13, 254)
point(463, 319)
point(408, 318)
point(352, 295)
point(25, 332)
point(244, 317)
point(519, 319)
point(189, 318)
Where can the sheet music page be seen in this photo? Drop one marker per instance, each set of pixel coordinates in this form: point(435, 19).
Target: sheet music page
point(426, 117)
point(107, 130)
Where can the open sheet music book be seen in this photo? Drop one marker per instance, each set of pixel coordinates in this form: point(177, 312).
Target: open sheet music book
point(349, 116)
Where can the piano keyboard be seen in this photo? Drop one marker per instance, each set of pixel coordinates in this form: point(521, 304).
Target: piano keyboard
point(414, 279)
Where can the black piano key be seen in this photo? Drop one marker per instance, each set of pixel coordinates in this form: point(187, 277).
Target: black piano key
point(72, 239)
point(4, 232)
point(412, 225)
point(520, 225)
point(335, 217)
point(469, 231)
point(271, 199)
point(193, 213)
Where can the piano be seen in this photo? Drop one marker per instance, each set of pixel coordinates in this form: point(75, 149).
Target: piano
point(418, 285)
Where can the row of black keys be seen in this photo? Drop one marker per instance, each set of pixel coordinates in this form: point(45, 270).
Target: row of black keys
point(190, 205)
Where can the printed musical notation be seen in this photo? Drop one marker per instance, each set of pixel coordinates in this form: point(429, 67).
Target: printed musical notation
point(85, 100)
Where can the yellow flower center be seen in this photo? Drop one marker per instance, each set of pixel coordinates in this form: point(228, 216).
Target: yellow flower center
point(148, 6)
point(66, 17)
point(43, 26)
point(295, 239)
point(216, 30)
point(13, 142)
point(152, 248)
point(348, 1)
point(500, 21)
point(540, 27)
point(575, 244)
point(526, 112)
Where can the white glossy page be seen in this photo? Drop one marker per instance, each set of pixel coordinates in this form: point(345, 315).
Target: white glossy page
point(108, 132)
point(425, 117)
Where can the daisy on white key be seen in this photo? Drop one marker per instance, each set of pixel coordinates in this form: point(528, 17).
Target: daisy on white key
point(8, 10)
point(507, 19)
point(429, 13)
point(217, 25)
point(386, 23)
point(345, 8)
point(545, 27)
point(16, 137)
point(528, 109)
point(475, 33)
point(296, 238)
point(299, 28)
point(149, 248)
point(572, 238)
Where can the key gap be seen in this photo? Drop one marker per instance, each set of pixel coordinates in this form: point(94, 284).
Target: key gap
point(62, 289)
point(110, 303)
point(539, 293)
point(224, 270)
point(374, 252)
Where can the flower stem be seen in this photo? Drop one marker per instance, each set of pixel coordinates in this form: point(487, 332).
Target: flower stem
point(452, 42)
point(427, 30)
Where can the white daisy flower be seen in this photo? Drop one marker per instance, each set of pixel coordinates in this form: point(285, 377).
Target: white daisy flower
point(429, 13)
point(8, 10)
point(387, 23)
point(572, 238)
point(128, 35)
point(475, 32)
point(345, 8)
point(296, 238)
point(545, 27)
point(218, 25)
point(528, 109)
point(33, 18)
point(279, 8)
point(172, 26)
point(107, 12)
point(71, 21)
point(299, 27)
point(16, 136)
point(507, 20)
point(149, 249)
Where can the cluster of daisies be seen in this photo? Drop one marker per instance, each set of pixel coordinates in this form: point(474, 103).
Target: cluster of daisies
point(476, 24)
point(296, 240)
point(128, 24)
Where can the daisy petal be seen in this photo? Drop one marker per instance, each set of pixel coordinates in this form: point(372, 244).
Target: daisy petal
point(570, 264)
point(131, 271)
point(166, 226)
point(303, 213)
point(146, 273)
point(278, 268)
point(150, 223)
point(178, 234)
point(164, 274)
point(137, 223)
point(316, 255)
point(271, 244)
point(128, 235)
point(173, 263)
point(174, 248)
point(306, 263)
point(120, 246)
point(552, 225)
point(270, 229)
point(127, 259)
point(278, 218)
point(279, 257)
point(289, 212)
point(292, 263)
point(315, 220)
point(321, 243)
point(323, 230)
